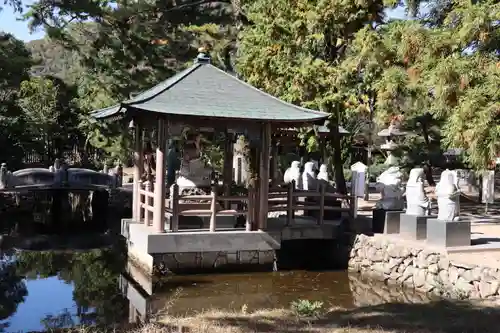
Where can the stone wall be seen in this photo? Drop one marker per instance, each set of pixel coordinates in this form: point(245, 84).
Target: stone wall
point(399, 262)
point(367, 293)
point(207, 261)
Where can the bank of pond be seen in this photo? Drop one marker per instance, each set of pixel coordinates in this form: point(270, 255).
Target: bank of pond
point(44, 290)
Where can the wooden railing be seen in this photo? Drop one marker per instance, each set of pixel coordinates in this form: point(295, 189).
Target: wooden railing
point(285, 198)
point(180, 205)
point(296, 200)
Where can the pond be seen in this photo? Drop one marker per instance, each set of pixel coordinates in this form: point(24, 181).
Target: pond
point(42, 290)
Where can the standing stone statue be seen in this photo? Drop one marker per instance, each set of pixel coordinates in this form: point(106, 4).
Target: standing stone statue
point(417, 202)
point(448, 197)
point(323, 173)
point(389, 185)
point(309, 177)
point(293, 174)
point(3, 176)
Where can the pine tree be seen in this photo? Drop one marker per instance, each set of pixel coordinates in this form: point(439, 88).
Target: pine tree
point(296, 49)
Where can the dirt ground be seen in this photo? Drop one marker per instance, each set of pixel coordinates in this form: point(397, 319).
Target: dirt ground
point(438, 316)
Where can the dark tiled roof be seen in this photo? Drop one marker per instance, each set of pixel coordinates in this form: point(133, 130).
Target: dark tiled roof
point(203, 90)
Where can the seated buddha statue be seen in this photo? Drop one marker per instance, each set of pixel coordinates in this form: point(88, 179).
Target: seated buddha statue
point(193, 170)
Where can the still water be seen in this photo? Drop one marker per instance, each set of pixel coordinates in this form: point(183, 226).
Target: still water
point(41, 290)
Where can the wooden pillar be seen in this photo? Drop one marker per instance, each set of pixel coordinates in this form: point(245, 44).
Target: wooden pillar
point(264, 175)
point(227, 172)
point(159, 196)
point(138, 171)
point(274, 162)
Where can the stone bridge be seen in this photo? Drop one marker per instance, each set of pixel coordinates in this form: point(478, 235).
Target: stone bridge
point(59, 176)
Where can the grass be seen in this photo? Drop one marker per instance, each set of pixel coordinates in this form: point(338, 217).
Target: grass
point(432, 317)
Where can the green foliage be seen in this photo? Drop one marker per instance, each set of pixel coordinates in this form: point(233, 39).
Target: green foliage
point(440, 72)
point(15, 61)
point(51, 114)
point(376, 170)
point(449, 72)
point(348, 174)
point(295, 51)
point(306, 308)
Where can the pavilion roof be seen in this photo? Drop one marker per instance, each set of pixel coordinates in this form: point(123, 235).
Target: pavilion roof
point(203, 90)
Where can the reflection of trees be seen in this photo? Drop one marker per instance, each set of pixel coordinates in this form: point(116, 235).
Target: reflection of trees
point(65, 319)
point(12, 290)
point(94, 275)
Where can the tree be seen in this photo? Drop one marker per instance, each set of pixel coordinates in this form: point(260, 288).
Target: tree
point(51, 115)
point(294, 51)
point(15, 61)
point(431, 75)
point(133, 44)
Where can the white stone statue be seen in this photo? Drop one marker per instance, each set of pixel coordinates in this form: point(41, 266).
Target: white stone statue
point(323, 173)
point(193, 171)
point(389, 185)
point(309, 177)
point(448, 197)
point(293, 174)
point(417, 202)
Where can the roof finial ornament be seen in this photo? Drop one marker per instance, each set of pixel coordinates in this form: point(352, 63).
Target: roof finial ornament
point(203, 55)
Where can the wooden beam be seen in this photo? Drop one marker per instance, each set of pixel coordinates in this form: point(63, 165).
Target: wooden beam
point(159, 197)
point(264, 175)
point(138, 171)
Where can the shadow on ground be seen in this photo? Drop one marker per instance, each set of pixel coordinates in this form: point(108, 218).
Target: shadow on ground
point(439, 316)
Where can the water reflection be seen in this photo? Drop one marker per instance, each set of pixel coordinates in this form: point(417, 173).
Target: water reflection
point(41, 290)
point(12, 290)
point(191, 294)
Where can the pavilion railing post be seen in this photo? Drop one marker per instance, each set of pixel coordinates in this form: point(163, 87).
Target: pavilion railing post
point(148, 187)
point(322, 188)
point(250, 205)
point(289, 203)
point(354, 199)
point(213, 208)
point(174, 200)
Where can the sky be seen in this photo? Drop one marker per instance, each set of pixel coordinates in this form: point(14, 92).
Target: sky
point(9, 22)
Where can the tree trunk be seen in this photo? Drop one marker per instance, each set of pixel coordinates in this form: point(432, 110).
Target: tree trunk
point(427, 167)
point(337, 153)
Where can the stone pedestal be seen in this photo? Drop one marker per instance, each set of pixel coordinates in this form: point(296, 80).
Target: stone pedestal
point(379, 220)
point(392, 222)
point(414, 227)
point(448, 233)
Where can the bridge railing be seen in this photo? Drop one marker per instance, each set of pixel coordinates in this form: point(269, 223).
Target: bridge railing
point(59, 175)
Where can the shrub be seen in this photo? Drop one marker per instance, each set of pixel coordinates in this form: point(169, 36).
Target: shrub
point(306, 308)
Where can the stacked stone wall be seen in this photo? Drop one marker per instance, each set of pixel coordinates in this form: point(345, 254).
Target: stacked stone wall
point(397, 262)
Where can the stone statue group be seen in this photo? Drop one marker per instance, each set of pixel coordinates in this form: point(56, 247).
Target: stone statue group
point(306, 180)
point(417, 203)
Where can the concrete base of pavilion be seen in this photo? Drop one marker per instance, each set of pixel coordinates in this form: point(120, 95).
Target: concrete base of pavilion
point(196, 250)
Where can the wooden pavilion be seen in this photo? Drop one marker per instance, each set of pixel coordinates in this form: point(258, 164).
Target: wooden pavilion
point(202, 96)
